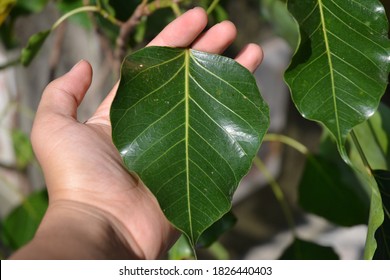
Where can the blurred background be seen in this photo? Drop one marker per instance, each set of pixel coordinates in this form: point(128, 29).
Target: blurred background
point(261, 230)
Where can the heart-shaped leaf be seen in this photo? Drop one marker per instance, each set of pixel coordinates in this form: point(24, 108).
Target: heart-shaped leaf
point(189, 124)
point(340, 70)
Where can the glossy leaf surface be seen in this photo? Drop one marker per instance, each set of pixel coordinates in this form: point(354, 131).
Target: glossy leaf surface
point(189, 124)
point(340, 69)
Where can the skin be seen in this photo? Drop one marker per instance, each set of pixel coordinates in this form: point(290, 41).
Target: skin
point(97, 210)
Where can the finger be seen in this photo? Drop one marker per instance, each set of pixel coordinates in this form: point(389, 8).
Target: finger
point(182, 31)
point(250, 57)
point(217, 38)
point(63, 95)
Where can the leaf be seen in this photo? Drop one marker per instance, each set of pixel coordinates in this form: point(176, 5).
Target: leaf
point(181, 250)
point(34, 44)
point(331, 190)
point(5, 8)
point(22, 147)
point(373, 136)
point(31, 6)
point(340, 70)
point(376, 217)
point(382, 235)
point(189, 124)
point(20, 225)
point(276, 13)
point(210, 235)
point(305, 250)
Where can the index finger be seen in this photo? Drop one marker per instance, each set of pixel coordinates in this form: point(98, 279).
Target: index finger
point(182, 31)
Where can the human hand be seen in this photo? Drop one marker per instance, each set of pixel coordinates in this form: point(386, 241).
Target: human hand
point(97, 209)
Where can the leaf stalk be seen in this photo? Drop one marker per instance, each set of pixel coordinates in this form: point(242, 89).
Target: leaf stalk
point(279, 195)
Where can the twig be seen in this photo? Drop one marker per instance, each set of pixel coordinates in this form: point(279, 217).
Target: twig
point(10, 167)
point(126, 29)
point(212, 6)
point(279, 195)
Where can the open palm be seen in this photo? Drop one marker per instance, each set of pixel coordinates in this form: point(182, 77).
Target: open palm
point(83, 170)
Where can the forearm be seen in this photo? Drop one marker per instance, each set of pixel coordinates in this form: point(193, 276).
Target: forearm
point(73, 231)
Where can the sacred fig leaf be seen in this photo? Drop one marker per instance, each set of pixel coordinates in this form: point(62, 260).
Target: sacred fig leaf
point(340, 70)
point(189, 124)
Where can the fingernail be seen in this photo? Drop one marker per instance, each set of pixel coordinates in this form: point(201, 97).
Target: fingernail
point(75, 66)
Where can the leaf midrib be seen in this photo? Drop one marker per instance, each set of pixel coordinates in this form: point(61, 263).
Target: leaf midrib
point(187, 127)
point(329, 55)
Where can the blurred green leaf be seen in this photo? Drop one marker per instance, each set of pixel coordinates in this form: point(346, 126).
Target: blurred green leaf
point(20, 225)
point(31, 6)
point(277, 14)
point(122, 9)
point(331, 190)
point(373, 136)
point(376, 218)
point(220, 14)
point(181, 250)
point(82, 19)
point(5, 8)
point(22, 147)
point(211, 235)
point(382, 235)
point(34, 44)
point(305, 250)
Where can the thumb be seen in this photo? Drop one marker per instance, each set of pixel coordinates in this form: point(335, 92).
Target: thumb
point(63, 95)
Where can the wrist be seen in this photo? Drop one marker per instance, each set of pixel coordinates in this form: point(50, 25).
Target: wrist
point(73, 230)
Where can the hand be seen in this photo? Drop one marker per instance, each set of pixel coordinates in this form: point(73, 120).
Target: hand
point(96, 208)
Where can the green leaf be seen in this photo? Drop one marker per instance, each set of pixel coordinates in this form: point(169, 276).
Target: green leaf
point(34, 44)
point(22, 147)
point(5, 8)
point(331, 190)
point(382, 235)
point(376, 217)
point(31, 6)
point(189, 124)
point(276, 13)
point(210, 235)
point(20, 225)
point(181, 250)
point(340, 69)
point(374, 139)
point(83, 18)
point(305, 250)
